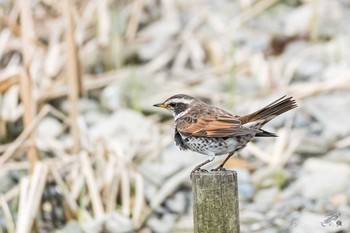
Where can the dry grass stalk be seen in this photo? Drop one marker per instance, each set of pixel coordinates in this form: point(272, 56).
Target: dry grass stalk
point(89, 83)
point(73, 207)
point(180, 59)
point(139, 199)
point(257, 152)
point(8, 80)
point(30, 196)
point(109, 181)
point(103, 22)
point(170, 186)
point(293, 63)
point(167, 189)
point(27, 31)
point(134, 19)
point(10, 23)
point(125, 192)
point(85, 140)
point(11, 109)
point(10, 225)
point(25, 144)
point(73, 73)
point(14, 28)
point(112, 195)
point(20, 224)
point(49, 144)
point(90, 179)
point(251, 12)
point(279, 147)
point(60, 115)
point(305, 90)
point(15, 166)
point(160, 61)
point(282, 149)
point(12, 193)
point(345, 142)
point(78, 182)
point(291, 148)
point(196, 52)
point(24, 135)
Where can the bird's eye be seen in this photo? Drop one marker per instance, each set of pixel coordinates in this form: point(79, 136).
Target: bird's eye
point(172, 105)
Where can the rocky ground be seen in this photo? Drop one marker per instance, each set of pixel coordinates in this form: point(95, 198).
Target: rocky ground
point(127, 175)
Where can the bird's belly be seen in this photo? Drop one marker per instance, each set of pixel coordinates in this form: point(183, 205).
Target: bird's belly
point(216, 146)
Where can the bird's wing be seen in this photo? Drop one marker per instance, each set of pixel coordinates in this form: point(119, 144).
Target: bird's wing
point(211, 126)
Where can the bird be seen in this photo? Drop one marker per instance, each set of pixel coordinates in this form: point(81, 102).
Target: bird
point(212, 131)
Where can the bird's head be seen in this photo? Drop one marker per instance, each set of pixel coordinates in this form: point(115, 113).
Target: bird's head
point(177, 104)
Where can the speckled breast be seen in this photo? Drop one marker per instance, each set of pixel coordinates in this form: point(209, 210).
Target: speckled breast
point(216, 146)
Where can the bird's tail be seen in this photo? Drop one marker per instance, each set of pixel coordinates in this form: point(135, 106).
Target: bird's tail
point(261, 117)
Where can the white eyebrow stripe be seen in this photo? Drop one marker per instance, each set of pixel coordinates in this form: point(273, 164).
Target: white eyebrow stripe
point(185, 101)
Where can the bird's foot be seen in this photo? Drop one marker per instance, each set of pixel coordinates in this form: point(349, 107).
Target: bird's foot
point(197, 170)
point(219, 168)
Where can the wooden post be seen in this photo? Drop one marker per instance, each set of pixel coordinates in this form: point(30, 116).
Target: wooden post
point(215, 202)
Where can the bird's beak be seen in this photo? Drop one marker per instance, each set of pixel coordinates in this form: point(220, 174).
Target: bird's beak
point(160, 105)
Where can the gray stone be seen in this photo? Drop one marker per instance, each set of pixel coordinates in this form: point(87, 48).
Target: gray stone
point(323, 108)
point(93, 117)
point(314, 165)
point(3, 224)
point(6, 181)
point(171, 161)
point(177, 203)
point(49, 127)
point(266, 198)
point(340, 156)
point(160, 32)
point(330, 19)
point(309, 68)
point(84, 105)
point(246, 189)
point(162, 225)
point(184, 224)
point(313, 145)
point(302, 120)
point(87, 105)
point(119, 129)
point(150, 189)
point(112, 97)
point(297, 21)
point(249, 217)
point(270, 177)
point(70, 227)
point(323, 179)
point(252, 40)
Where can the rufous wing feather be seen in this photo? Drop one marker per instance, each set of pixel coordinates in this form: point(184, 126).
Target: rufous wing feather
point(221, 126)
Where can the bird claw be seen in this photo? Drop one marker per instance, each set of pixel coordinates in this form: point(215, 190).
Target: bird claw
point(218, 169)
point(197, 170)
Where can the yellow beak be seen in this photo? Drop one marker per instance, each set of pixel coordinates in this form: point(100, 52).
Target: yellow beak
point(160, 105)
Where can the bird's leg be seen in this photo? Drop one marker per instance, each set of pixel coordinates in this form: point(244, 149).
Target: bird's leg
point(198, 167)
point(221, 166)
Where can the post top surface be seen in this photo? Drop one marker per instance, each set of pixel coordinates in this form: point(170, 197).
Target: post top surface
point(214, 173)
